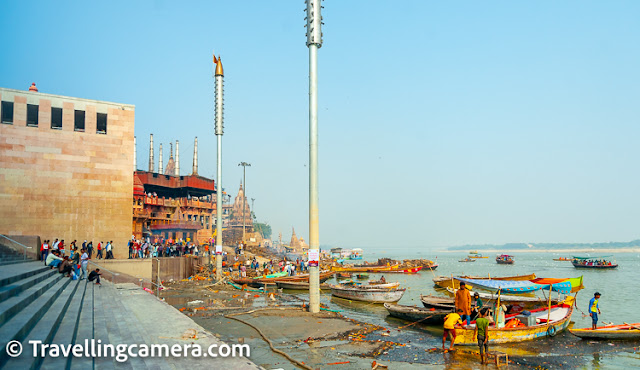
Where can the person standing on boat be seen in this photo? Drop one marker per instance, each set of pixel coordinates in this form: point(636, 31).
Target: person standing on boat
point(450, 322)
point(481, 333)
point(463, 302)
point(479, 304)
point(594, 310)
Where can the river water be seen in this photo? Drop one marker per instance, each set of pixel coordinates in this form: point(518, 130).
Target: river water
point(619, 303)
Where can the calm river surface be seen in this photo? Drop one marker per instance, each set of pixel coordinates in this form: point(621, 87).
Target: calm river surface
point(619, 303)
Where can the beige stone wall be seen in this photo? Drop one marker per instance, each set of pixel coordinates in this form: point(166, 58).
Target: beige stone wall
point(62, 183)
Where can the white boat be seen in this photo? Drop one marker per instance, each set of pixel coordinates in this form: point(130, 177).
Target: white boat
point(379, 295)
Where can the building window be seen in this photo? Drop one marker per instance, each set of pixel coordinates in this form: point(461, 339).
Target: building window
point(7, 112)
point(78, 124)
point(56, 118)
point(102, 123)
point(32, 115)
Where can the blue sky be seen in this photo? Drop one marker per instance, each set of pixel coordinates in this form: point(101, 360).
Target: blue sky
point(441, 123)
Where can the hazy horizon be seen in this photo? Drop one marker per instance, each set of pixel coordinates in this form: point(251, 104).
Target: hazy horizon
point(440, 123)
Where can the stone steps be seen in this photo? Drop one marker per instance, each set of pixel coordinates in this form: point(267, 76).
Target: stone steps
point(15, 288)
point(45, 329)
point(39, 300)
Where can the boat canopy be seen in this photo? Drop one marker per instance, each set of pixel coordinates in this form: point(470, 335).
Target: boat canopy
point(590, 258)
point(513, 286)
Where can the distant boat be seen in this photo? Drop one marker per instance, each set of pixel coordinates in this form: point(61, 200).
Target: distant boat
point(593, 263)
point(621, 332)
point(473, 252)
point(374, 295)
point(413, 313)
point(504, 259)
point(563, 259)
point(477, 256)
point(362, 275)
point(467, 260)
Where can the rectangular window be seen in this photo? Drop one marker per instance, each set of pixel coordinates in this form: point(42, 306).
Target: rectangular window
point(32, 115)
point(101, 123)
point(78, 124)
point(56, 118)
point(7, 112)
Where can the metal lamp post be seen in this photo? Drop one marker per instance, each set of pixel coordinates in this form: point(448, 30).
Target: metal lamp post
point(219, 126)
point(314, 42)
point(244, 196)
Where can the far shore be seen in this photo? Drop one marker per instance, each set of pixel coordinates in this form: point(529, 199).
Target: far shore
point(558, 251)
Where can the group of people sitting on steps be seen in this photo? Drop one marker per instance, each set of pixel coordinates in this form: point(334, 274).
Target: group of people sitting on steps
point(74, 266)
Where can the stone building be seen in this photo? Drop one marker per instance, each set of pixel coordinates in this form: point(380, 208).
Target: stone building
point(66, 167)
point(240, 213)
point(297, 245)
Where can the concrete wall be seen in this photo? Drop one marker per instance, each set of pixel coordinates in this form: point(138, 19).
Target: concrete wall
point(63, 183)
point(137, 268)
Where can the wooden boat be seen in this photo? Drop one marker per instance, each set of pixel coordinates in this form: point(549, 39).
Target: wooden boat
point(407, 271)
point(559, 318)
point(626, 331)
point(299, 285)
point(593, 265)
point(413, 313)
point(477, 256)
point(506, 298)
point(377, 295)
point(364, 268)
point(262, 281)
point(504, 259)
point(451, 282)
point(343, 275)
point(440, 303)
point(362, 275)
point(563, 259)
point(380, 286)
point(467, 260)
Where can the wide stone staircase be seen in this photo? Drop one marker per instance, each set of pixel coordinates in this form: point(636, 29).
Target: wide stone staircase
point(39, 304)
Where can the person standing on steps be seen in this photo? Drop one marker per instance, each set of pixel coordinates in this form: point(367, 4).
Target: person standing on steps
point(84, 261)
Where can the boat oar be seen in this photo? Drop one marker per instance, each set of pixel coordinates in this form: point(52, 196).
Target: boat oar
point(632, 325)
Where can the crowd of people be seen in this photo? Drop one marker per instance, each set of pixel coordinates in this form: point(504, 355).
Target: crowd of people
point(47, 248)
point(169, 248)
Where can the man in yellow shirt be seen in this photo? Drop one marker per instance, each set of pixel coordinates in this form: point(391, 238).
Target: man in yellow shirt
point(450, 322)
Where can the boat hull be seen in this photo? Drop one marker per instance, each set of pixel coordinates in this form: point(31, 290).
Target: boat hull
point(368, 295)
point(597, 267)
point(299, 285)
point(611, 332)
point(451, 282)
point(413, 313)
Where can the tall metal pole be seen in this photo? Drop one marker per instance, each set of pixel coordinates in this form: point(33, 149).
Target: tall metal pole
point(314, 42)
point(218, 75)
point(244, 196)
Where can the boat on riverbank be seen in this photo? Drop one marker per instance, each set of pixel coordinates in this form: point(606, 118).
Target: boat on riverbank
point(440, 303)
point(414, 270)
point(452, 282)
point(541, 323)
point(261, 281)
point(413, 313)
point(609, 332)
point(364, 268)
point(593, 263)
point(362, 275)
point(374, 295)
point(504, 259)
